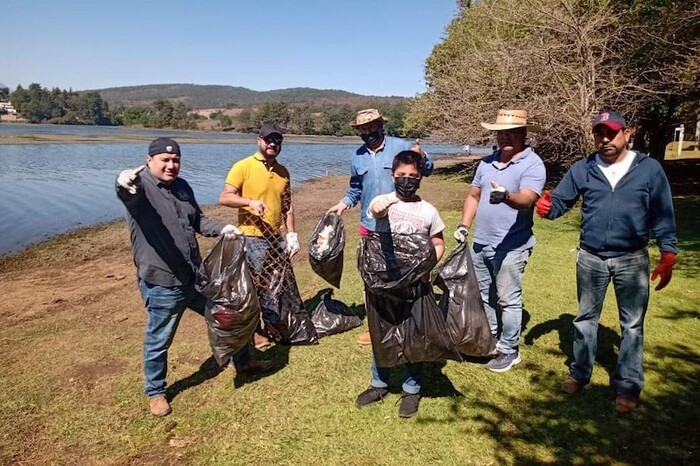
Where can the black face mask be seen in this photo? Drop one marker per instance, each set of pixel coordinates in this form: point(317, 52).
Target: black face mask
point(406, 187)
point(373, 138)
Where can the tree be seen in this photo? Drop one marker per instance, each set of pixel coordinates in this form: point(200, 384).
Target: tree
point(301, 120)
point(562, 60)
point(40, 105)
point(666, 52)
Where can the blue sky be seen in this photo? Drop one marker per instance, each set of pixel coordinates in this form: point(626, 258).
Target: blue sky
point(375, 47)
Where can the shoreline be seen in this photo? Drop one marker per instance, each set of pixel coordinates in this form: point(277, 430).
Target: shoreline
point(235, 138)
point(82, 232)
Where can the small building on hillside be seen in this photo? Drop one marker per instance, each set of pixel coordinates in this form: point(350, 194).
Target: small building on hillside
point(7, 108)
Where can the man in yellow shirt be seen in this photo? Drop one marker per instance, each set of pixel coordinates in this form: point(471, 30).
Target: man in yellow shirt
point(259, 187)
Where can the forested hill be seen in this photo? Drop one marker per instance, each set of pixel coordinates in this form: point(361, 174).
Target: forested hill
point(214, 96)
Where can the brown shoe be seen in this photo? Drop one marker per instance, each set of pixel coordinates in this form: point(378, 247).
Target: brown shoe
point(625, 404)
point(571, 386)
point(364, 338)
point(159, 406)
point(254, 366)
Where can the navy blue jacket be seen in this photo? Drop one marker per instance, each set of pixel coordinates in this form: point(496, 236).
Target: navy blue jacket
point(615, 221)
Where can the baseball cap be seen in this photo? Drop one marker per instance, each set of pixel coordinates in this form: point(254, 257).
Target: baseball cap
point(270, 128)
point(612, 120)
point(163, 146)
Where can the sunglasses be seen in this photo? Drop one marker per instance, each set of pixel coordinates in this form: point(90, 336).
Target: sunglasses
point(273, 140)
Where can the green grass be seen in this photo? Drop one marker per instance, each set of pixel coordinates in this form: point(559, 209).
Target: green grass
point(304, 413)
point(689, 150)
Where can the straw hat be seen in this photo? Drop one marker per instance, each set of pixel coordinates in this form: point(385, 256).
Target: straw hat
point(510, 119)
point(367, 115)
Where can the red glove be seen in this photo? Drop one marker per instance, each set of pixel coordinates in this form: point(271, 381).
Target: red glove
point(664, 269)
point(544, 205)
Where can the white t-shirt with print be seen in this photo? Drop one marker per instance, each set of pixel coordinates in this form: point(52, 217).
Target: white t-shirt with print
point(410, 218)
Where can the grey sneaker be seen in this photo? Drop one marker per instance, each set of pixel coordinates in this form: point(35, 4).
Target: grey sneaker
point(371, 396)
point(409, 405)
point(503, 362)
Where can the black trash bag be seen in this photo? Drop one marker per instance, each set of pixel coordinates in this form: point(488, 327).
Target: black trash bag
point(405, 323)
point(462, 305)
point(292, 324)
point(233, 310)
point(332, 316)
point(283, 313)
point(326, 247)
point(390, 263)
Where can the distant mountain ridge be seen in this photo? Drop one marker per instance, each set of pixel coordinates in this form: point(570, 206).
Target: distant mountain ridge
point(199, 96)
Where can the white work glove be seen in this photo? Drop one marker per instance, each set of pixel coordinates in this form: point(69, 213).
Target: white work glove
point(382, 203)
point(461, 233)
point(231, 231)
point(292, 240)
point(130, 179)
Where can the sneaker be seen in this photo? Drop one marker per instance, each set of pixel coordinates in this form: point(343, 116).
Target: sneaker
point(254, 366)
point(571, 386)
point(503, 362)
point(159, 406)
point(364, 338)
point(409, 405)
point(371, 396)
point(625, 404)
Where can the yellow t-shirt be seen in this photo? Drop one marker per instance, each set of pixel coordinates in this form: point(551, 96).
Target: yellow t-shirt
point(270, 184)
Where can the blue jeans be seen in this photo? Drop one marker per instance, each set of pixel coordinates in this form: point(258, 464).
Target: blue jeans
point(165, 306)
point(500, 277)
point(411, 383)
point(630, 276)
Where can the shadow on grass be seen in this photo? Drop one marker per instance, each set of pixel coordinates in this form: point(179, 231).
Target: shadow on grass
point(278, 354)
point(311, 304)
point(688, 224)
point(207, 370)
point(608, 340)
point(679, 314)
point(434, 383)
point(546, 426)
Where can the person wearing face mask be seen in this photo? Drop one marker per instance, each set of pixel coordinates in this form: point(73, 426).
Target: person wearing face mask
point(163, 217)
point(403, 211)
point(259, 186)
point(370, 170)
point(501, 198)
point(626, 198)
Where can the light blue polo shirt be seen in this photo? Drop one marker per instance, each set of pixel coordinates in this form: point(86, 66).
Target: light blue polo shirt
point(499, 225)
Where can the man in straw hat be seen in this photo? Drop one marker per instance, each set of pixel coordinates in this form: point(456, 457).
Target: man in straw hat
point(370, 171)
point(626, 199)
point(502, 195)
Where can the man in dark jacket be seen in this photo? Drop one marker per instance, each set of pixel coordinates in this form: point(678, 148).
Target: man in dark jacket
point(163, 218)
point(626, 196)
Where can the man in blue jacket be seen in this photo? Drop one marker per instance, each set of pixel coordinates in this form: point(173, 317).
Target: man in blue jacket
point(626, 196)
point(370, 171)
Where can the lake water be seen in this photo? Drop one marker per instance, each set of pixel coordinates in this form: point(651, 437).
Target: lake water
point(47, 189)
